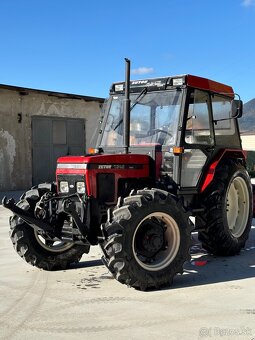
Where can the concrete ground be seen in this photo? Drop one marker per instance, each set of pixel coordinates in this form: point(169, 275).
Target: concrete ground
point(213, 301)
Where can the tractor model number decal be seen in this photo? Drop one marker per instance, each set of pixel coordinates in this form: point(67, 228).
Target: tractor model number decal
point(116, 166)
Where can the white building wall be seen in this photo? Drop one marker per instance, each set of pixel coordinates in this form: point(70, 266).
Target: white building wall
point(16, 137)
point(248, 142)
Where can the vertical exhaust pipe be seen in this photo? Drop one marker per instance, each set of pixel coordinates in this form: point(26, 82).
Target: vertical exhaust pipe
point(126, 118)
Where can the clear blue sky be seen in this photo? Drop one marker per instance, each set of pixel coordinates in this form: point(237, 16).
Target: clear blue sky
point(78, 46)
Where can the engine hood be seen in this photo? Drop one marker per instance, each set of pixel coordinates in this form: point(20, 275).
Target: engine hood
point(101, 169)
point(92, 161)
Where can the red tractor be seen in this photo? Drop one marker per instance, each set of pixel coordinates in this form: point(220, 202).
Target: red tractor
point(168, 149)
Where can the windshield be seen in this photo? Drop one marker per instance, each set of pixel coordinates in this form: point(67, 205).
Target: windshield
point(153, 119)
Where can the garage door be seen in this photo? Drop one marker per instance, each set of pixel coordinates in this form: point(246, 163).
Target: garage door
point(52, 138)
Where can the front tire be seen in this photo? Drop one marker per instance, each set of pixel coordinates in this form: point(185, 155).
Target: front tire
point(33, 247)
point(148, 240)
point(228, 210)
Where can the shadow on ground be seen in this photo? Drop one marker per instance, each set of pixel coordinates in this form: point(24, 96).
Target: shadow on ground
point(216, 269)
point(87, 264)
point(205, 269)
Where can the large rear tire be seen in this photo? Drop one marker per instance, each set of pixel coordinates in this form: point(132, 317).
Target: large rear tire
point(33, 247)
point(148, 240)
point(228, 210)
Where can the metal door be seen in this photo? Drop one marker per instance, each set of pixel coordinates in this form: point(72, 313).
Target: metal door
point(51, 138)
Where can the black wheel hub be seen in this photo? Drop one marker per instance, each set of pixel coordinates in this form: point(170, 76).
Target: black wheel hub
point(150, 238)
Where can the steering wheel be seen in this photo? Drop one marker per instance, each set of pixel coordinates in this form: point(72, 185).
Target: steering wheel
point(160, 139)
point(161, 130)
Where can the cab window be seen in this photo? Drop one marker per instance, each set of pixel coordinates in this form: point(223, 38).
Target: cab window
point(198, 128)
point(224, 126)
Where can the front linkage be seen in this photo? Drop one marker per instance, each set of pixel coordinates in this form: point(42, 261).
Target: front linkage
point(49, 213)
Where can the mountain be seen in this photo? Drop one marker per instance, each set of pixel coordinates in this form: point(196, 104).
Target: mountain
point(247, 122)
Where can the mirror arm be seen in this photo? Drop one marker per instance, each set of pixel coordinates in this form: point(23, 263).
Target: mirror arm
point(215, 121)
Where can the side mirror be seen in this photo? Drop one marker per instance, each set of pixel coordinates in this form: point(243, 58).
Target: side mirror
point(236, 108)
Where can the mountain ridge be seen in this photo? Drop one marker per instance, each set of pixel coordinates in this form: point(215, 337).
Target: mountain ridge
point(247, 122)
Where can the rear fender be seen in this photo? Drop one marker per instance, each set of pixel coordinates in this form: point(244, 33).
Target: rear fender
point(225, 153)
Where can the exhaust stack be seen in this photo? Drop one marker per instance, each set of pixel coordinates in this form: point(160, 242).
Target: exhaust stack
point(126, 117)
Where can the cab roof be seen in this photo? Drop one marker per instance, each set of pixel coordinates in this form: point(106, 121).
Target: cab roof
point(180, 81)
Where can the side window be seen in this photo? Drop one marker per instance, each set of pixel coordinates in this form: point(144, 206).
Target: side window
point(198, 129)
point(113, 134)
point(225, 130)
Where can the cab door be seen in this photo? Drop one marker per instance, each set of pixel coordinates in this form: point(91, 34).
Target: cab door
point(198, 138)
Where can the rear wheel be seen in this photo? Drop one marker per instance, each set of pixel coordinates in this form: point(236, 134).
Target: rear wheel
point(40, 249)
point(228, 210)
point(148, 240)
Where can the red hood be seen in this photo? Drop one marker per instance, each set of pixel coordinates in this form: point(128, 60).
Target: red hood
point(106, 159)
point(121, 166)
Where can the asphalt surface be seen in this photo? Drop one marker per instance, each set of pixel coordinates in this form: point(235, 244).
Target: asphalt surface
point(214, 299)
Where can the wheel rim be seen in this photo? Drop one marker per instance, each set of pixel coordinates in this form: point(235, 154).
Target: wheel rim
point(166, 254)
point(55, 245)
point(237, 206)
point(52, 244)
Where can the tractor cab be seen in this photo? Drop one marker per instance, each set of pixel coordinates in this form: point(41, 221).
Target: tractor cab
point(182, 122)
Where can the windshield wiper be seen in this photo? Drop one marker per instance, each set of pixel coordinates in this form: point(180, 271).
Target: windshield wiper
point(137, 100)
point(139, 97)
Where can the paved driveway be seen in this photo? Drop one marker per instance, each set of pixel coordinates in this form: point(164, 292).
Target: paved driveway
point(213, 301)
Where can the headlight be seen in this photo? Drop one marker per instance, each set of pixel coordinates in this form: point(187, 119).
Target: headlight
point(178, 81)
point(63, 186)
point(80, 187)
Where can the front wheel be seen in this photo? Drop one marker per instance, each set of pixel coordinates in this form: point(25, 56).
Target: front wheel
point(148, 240)
point(42, 250)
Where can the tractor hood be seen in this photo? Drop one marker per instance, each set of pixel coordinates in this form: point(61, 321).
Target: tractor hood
point(102, 161)
point(101, 173)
